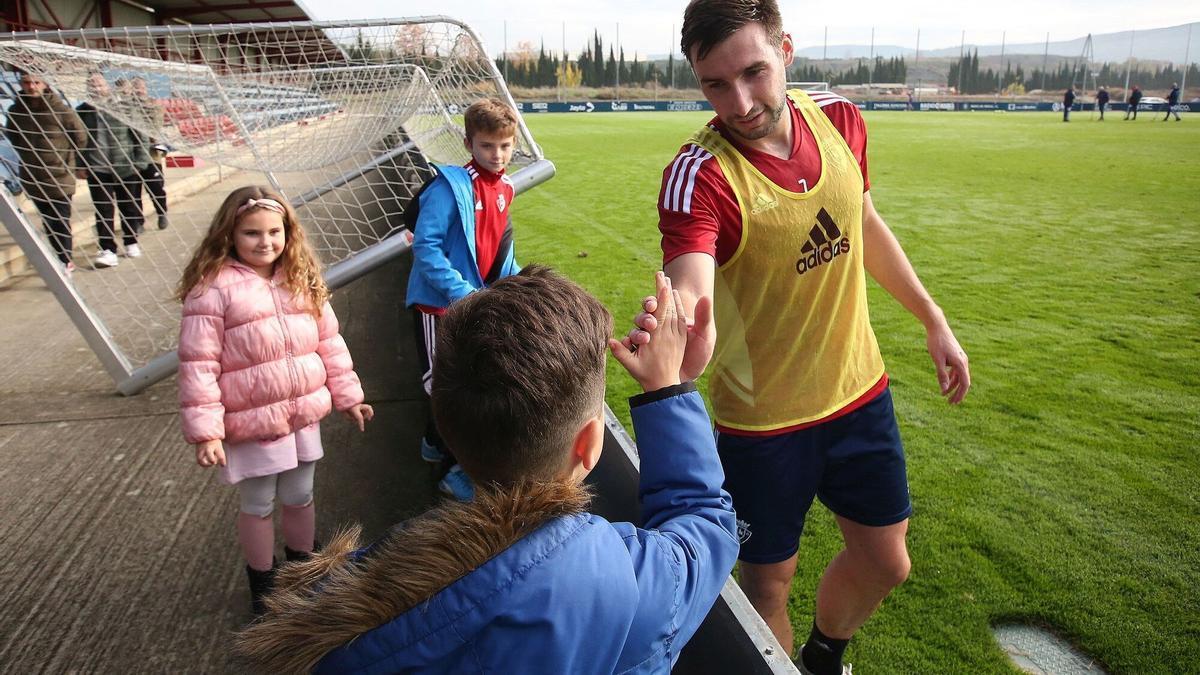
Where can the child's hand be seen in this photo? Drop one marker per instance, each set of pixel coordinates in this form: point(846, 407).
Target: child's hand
point(360, 414)
point(656, 363)
point(210, 453)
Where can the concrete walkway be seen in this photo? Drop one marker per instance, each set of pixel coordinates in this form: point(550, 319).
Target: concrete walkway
point(119, 552)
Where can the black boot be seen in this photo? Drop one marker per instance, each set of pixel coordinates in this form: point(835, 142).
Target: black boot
point(260, 584)
point(301, 556)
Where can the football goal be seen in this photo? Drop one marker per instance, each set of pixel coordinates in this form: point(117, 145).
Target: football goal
point(342, 118)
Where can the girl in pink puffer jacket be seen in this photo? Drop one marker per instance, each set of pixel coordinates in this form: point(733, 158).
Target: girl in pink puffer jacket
point(260, 363)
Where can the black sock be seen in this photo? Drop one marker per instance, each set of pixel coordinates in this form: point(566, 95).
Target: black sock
point(822, 655)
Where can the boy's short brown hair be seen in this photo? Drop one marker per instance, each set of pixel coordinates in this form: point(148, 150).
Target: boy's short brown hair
point(707, 23)
point(491, 116)
point(518, 367)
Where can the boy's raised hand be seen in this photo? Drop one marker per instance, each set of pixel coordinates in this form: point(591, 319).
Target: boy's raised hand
point(656, 363)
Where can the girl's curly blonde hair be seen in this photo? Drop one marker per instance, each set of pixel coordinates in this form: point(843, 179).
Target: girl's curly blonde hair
point(301, 269)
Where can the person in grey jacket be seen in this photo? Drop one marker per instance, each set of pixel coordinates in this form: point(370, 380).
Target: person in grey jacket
point(113, 158)
point(46, 133)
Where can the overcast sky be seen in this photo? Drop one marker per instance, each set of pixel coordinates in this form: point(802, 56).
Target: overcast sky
point(646, 25)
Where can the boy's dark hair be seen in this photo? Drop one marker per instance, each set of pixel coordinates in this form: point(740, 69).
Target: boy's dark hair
point(518, 367)
point(707, 23)
point(491, 116)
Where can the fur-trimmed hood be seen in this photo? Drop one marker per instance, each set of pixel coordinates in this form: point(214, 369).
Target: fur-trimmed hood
point(344, 591)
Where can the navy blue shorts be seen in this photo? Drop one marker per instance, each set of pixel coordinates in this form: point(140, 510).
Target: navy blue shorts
point(854, 464)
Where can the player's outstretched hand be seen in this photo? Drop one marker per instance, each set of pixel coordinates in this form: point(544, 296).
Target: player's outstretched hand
point(701, 336)
point(655, 363)
point(950, 361)
point(360, 415)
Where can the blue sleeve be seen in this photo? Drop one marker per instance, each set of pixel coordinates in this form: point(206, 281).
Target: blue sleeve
point(439, 212)
point(513, 267)
point(688, 518)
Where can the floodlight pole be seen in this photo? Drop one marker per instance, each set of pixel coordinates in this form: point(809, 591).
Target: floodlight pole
point(917, 64)
point(670, 57)
point(1045, 59)
point(962, 45)
point(620, 61)
point(1129, 62)
point(871, 69)
point(1187, 55)
point(1000, 68)
point(825, 46)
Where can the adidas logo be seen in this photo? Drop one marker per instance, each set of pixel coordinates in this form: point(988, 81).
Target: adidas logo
point(825, 242)
point(763, 202)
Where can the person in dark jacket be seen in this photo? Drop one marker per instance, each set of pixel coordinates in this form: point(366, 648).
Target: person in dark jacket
point(152, 116)
point(1068, 101)
point(1135, 97)
point(1173, 103)
point(523, 579)
point(1102, 102)
point(46, 134)
point(114, 155)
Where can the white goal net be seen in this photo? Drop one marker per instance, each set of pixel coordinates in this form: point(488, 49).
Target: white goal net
point(343, 118)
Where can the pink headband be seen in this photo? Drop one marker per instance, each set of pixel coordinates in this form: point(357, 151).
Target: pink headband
point(268, 204)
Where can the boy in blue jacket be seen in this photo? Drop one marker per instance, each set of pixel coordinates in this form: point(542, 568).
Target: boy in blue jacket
point(523, 579)
point(462, 242)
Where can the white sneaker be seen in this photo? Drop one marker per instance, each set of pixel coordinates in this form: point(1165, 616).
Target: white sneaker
point(107, 259)
point(847, 669)
point(133, 251)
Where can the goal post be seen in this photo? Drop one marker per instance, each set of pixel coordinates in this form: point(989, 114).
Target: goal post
point(343, 118)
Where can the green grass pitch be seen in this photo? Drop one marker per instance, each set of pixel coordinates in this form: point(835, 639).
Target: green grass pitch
point(1066, 490)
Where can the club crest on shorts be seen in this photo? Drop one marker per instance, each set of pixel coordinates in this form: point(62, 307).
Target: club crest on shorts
point(743, 531)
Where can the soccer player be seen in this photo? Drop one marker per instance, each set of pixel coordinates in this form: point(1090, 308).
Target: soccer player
point(767, 209)
point(1173, 103)
point(1102, 102)
point(1135, 98)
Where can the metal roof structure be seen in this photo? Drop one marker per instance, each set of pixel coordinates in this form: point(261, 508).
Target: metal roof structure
point(30, 15)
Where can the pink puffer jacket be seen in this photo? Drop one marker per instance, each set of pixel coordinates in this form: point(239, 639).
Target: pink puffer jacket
point(255, 366)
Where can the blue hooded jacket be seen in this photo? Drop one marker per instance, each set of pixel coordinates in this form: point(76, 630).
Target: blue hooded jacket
point(445, 268)
point(576, 595)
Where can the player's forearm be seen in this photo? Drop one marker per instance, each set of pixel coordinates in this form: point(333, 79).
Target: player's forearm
point(692, 274)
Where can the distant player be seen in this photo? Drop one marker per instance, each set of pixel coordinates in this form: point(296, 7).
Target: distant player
point(1173, 103)
point(1068, 101)
point(767, 210)
point(1135, 98)
point(1102, 102)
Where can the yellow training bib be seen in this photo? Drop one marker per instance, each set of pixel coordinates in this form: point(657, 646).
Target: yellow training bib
point(794, 339)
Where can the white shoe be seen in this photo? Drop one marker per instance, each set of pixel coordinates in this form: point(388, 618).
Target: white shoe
point(107, 259)
point(847, 669)
point(133, 251)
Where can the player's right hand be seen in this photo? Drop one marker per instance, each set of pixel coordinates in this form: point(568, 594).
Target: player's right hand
point(210, 453)
point(701, 338)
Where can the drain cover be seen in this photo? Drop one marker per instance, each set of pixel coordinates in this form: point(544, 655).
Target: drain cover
point(1038, 651)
